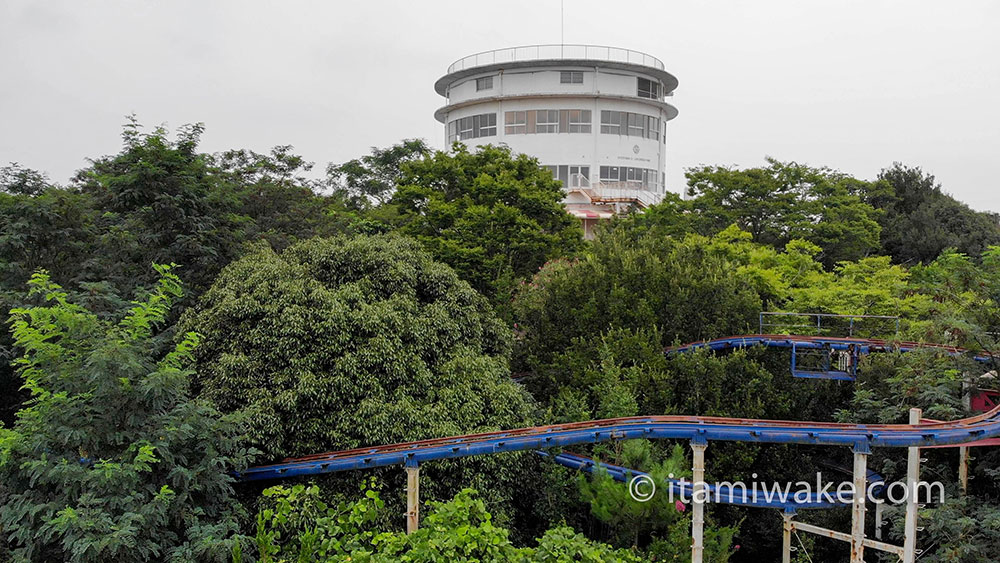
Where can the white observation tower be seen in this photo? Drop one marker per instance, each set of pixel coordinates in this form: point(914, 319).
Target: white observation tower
point(593, 115)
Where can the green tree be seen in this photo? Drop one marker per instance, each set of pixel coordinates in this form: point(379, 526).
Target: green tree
point(492, 216)
point(273, 200)
point(16, 179)
point(356, 341)
point(158, 205)
point(687, 290)
point(920, 220)
point(111, 459)
point(372, 179)
point(296, 525)
point(346, 342)
point(51, 229)
point(782, 202)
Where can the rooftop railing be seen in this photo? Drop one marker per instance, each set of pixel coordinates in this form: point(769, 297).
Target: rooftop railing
point(545, 52)
point(622, 192)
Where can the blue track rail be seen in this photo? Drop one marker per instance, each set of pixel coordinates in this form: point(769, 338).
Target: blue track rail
point(848, 351)
point(863, 346)
point(691, 428)
point(719, 494)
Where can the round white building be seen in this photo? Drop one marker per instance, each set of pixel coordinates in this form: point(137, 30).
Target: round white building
point(593, 115)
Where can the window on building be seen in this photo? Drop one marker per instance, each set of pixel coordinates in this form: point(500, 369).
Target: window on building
point(547, 121)
point(648, 89)
point(610, 122)
point(636, 125)
point(578, 120)
point(485, 83)
point(472, 127)
point(570, 77)
point(465, 128)
point(515, 123)
point(484, 125)
point(631, 124)
point(610, 174)
point(571, 175)
point(626, 177)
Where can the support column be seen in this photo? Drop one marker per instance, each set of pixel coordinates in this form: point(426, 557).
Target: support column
point(879, 509)
point(963, 451)
point(963, 469)
point(861, 452)
point(912, 476)
point(412, 498)
point(698, 501)
point(786, 536)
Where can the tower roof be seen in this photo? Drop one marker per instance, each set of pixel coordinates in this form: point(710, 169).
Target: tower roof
point(527, 56)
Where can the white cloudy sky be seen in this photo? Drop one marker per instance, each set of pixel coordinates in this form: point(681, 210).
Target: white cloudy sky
point(854, 85)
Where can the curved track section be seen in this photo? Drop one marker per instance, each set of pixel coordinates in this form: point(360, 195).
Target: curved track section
point(860, 345)
point(698, 429)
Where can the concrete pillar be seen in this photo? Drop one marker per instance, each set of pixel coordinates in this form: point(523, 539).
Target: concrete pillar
point(412, 498)
point(912, 476)
point(786, 537)
point(879, 509)
point(698, 502)
point(861, 452)
point(963, 469)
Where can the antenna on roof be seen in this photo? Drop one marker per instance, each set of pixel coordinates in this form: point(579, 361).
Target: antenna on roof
point(562, 27)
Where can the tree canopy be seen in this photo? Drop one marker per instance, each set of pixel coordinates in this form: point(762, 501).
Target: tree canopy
point(493, 216)
point(112, 459)
point(341, 342)
point(411, 294)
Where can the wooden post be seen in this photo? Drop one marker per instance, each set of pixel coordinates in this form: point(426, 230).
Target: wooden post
point(698, 501)
point(786, 537)
point(912, 476)
point(412, 498)
point(861, 452)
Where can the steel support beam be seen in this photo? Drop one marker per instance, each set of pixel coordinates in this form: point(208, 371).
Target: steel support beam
point(912, 477)
point(698, 499)
point(412, 498)
point(858, 506)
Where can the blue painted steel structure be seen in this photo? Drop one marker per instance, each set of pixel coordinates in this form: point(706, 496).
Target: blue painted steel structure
point(724, 494)
point(696, 429)
point(849, 350)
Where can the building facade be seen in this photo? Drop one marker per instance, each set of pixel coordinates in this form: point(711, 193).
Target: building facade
point(595, 116)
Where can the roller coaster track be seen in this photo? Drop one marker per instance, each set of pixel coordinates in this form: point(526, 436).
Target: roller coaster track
point(982, 429)
point(862, 345)
point(720, 494)
point(697, 429)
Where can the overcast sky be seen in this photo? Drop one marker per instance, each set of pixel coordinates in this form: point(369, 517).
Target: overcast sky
point(853, 85)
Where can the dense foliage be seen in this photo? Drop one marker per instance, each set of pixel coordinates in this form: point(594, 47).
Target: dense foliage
point(492, 216)
point(298, 526)
point(111, 459)
point(342, 342)
point(395, 298)
point(920, 221)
